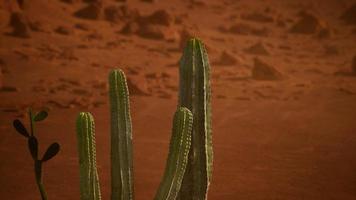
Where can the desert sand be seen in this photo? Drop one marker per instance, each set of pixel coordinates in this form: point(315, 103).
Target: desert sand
point(283, 91)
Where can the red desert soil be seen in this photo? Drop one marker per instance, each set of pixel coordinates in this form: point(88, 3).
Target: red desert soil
point(283, 80)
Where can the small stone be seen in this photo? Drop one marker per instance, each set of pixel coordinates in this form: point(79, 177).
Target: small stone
point(63, 30)
point(264, 71)
point(92, 11)
point(257, 49)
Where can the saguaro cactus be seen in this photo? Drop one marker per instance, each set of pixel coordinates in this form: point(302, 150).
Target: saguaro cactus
point(178, 155)
point(121, 138)
point(89, 180)
point(194, 93)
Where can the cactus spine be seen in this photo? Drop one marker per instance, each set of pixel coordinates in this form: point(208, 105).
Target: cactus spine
point(194, 93)
point(89, 180)
point(121, 138)
point(178, 155)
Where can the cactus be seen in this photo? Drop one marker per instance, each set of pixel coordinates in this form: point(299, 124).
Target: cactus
point(89, 180)
point(121, 138)
point(189, 165)
point(194, 93)
point(32, 142)
point(178, 155)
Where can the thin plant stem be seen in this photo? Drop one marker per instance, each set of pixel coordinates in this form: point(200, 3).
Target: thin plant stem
point(38, 174)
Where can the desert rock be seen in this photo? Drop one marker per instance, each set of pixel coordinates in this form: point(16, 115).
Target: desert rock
point(137, 86)
point(309, 24)
point(159, 17)
point(154, 26)
point(115, 13)
point(257, 49)
point(23, 4)
point(349, 16)
point(64, 30)
point(92, 11)
point(130, 28)
point(226, 58)
point(264, 71)
point(19, 24)
point(152, 31)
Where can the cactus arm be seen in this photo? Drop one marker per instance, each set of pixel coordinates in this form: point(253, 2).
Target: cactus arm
point(177, 156)
point(89, 180)
point(121, 138)
point(195, 95)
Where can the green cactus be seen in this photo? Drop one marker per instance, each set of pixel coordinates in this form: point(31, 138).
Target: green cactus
point(89, 180)
point(178, 155)
point(194, 93)
point(189, 165)
point(121, 138)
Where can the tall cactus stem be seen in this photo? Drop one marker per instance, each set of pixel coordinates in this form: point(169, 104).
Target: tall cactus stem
point(178, 155)
point(195, 94)
point(89, 180)
point(121, 138)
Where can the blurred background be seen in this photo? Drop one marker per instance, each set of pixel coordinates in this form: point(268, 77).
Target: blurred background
point(283, 81)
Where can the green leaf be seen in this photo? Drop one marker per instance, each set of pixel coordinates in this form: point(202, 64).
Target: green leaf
point(52, 151)
point(33, 147)
point(40, 116)
point(20, 128)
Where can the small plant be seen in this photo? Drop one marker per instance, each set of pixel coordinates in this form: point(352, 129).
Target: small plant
point(51, 151)
point(189, 165)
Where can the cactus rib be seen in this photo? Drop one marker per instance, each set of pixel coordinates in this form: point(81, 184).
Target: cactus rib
point(195, 94)
point(178, 155)
point(121, 138)
point(89, 180)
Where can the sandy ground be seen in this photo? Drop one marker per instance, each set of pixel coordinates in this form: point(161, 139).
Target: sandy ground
point(283, 80)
